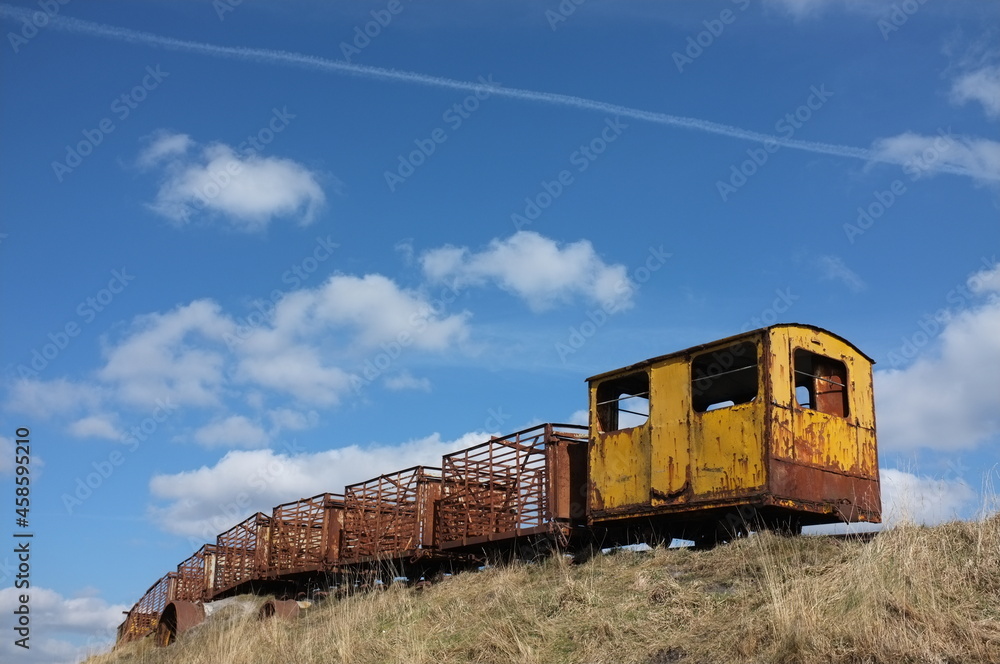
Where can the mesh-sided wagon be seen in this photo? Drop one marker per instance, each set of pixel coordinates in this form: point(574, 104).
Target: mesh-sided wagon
point(240, 554)
point(306, 535)
point(142, 618)
point(530, 486)
point(390, 520)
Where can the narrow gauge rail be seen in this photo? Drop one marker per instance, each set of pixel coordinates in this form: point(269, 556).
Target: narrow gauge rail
point(773, 428)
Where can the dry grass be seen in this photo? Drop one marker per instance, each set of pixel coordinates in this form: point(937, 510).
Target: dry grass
point(914, 594)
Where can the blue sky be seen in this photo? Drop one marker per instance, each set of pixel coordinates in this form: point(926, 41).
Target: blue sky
point(252, 253)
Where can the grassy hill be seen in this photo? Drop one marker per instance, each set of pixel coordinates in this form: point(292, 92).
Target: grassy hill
point(913, 594)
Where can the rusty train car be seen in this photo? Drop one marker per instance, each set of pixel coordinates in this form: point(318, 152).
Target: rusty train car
point(773, 428)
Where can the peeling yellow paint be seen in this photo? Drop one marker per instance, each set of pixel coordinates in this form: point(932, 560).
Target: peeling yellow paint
point(681, 459)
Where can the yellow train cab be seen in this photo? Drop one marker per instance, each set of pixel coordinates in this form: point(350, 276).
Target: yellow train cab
point(773, 427)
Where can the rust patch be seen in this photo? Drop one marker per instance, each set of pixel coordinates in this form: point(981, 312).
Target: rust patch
point(177, 618)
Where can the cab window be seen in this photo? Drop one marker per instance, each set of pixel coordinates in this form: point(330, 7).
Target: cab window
point(623, 402)
point(724, 378)
point(821, 383)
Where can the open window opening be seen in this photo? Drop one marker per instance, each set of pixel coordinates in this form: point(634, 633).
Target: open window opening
point(724, 378)
point(623, 402)
point(820, 383)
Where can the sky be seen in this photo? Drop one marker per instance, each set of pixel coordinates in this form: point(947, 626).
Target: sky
point(253, 252)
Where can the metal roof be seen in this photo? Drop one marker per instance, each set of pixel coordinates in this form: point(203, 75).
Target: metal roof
point(736, 337)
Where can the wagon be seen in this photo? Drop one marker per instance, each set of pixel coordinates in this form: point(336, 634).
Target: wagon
point(305, 536)
point(771, 428)
point(527, 489)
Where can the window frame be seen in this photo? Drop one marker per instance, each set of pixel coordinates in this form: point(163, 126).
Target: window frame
point(604, 414)
point(755, 365)
point(814, 394)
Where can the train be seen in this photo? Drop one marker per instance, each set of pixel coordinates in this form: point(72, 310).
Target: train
point(772, 428)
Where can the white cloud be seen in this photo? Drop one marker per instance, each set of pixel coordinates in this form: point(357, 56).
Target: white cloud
point(948, 399)
point(311, 348)
point(298, 371)
point(64, 629)
point(232, 431)
point(164, 145)
point(911, 498)
point(286, 352)
point(293, 420)
point(96, 426)
point(809, 9)
point(381, 311)
point(307, 348)
point(534, 268)
point(58, 397)
point(167, 356)
point(983, 86)
point(204, 502)
point(249, 191)
point(925, 155)
point(407, 381)
point(833, 267)
point(802, 8)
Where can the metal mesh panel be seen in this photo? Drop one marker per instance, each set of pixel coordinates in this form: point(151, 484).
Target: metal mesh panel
point(239, 552)
point(304, 534)
point(143, 617)
point(501, 488)
point(391, 515)
point(191, 575)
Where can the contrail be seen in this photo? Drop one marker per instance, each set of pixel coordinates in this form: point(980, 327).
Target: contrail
point(303, 61)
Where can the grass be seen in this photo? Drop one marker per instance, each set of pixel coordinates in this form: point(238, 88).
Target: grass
point(913, 594)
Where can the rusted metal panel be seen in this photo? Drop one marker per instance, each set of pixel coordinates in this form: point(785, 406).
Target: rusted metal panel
point(621, 455)
point(195, 575)
point(620, 470)
point(670, 447)
point(727, 454)
point(241, 553)
point(727, 436)
point(528, 482)
point(177, 618)
point(821, 491)
point(143, 617)
point(822, 417)
point(391, 516)
point(566, 456)
point(305, 535)
point(704, 439)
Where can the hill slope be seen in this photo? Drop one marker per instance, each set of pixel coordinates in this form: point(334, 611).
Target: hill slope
point(913, 594)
